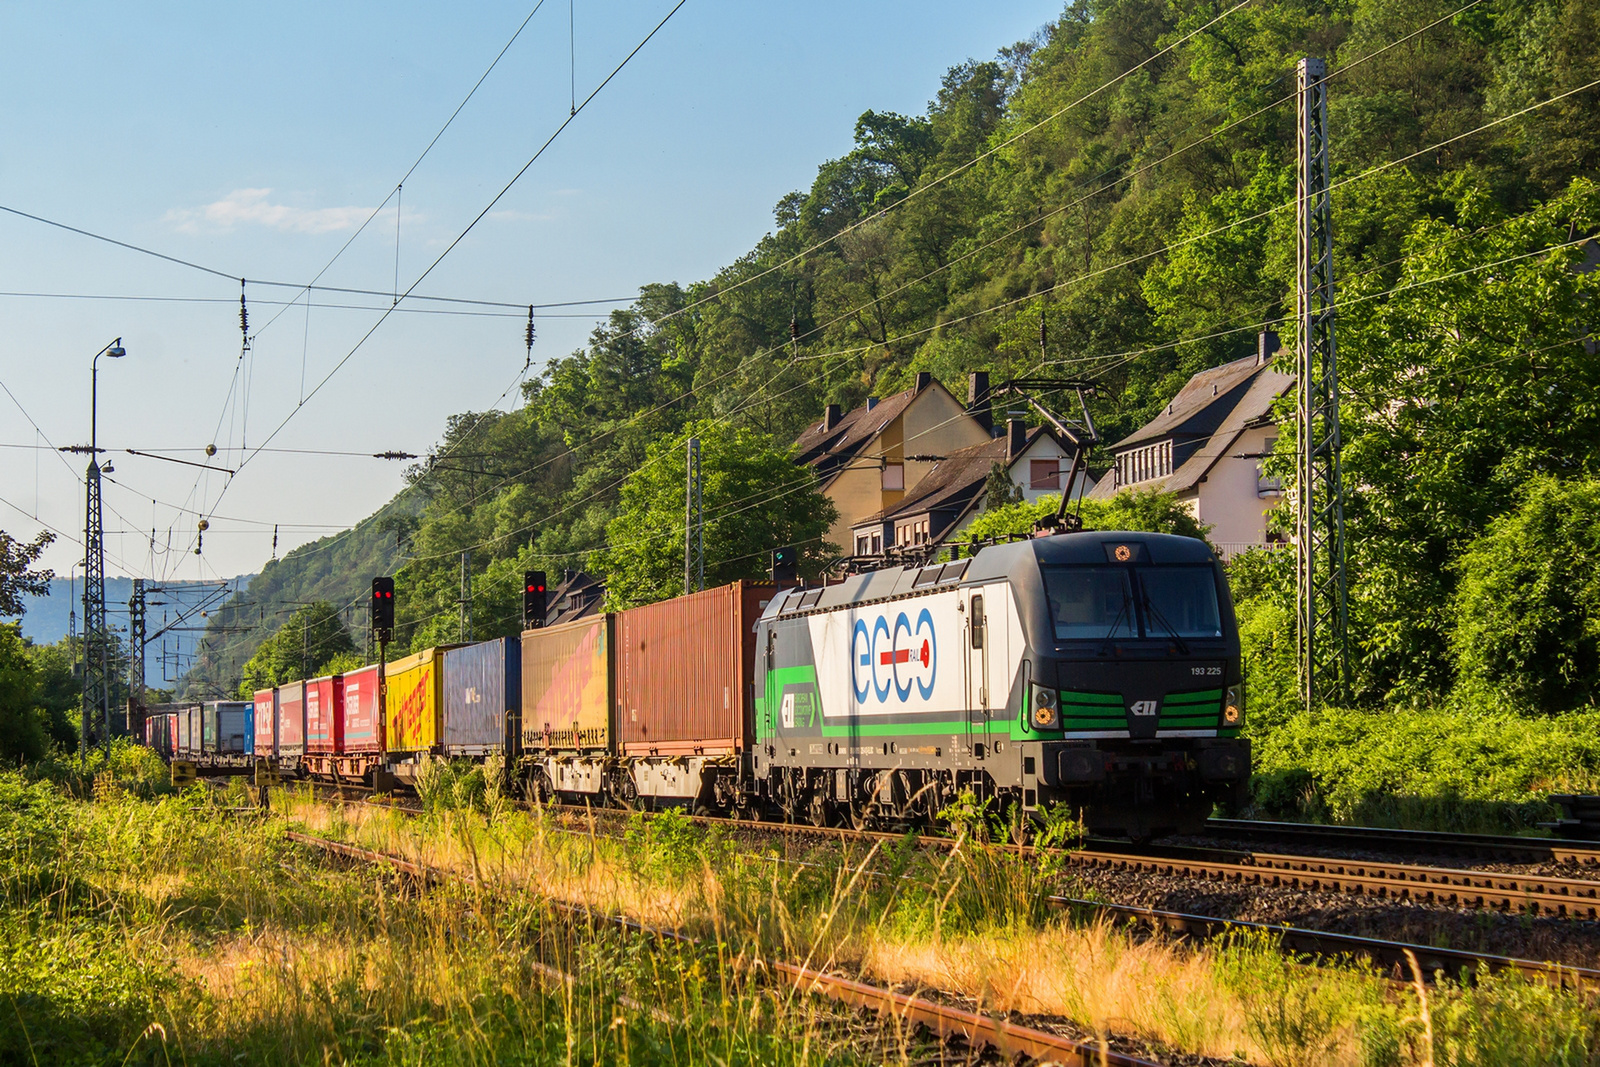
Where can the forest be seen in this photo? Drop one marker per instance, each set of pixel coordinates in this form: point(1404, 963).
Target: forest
point(1126, 175)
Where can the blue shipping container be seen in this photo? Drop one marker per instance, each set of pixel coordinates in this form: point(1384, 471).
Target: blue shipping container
point(482, 690)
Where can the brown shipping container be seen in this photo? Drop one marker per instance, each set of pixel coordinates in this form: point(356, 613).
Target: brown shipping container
point(685, 670)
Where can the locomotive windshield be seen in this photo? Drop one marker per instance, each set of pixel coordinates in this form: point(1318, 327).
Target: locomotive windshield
point(1098, 603)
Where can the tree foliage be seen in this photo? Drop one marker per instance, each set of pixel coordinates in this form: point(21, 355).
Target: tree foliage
point(754, 498)
point(1146, 511)
point(18, 578)
point(307, 645)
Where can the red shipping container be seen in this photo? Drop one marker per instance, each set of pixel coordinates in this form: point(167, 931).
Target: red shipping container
point(266, 723)
point(685, 671)
point(324, 716)
point(361, 717)
point(292, 719)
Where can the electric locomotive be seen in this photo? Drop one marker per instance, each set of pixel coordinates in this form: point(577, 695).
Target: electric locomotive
point(1099, 670)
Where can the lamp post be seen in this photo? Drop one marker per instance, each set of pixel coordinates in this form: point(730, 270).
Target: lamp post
point(96, 640)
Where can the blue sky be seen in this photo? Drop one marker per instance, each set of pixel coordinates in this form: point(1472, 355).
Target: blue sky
point(254, 139)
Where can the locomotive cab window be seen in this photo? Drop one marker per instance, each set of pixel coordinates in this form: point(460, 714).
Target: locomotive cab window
point(1180, 601)
point(1095, 603)
point(1090, 603)
point(977, 621)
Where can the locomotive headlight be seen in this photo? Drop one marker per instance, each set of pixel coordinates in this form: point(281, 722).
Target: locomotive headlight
point(1233, 706)
point(1045, 714)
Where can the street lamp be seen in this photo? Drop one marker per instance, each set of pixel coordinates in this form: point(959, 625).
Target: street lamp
point(96, 676)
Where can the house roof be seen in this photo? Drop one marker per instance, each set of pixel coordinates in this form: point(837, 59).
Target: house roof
point(578, 596)
point(828, 451)
point(954, 481)
point(1200, 406)
point(1244, 393)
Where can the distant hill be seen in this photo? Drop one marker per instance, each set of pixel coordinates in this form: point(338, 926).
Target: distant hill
point(338, 569)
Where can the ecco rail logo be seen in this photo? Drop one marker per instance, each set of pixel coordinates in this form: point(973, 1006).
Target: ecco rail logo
point(1145, 707)
point(887, 659)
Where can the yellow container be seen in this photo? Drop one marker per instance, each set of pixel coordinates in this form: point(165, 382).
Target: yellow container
point(411, 705)
point(566, 685)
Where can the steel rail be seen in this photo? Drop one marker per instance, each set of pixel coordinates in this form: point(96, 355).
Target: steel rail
point(1428, 885)
point(1487, 846)
point(943, 1019)
point(1432, 959)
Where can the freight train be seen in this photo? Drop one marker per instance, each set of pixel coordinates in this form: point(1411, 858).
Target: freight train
point(1098, 670)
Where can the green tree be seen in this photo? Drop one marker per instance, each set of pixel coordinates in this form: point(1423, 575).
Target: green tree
point(57, 690)
point(18, 578)
point(1527, 610)
point(1146, 511)
point(23, 735)
point(754, 498)
point(304, 646)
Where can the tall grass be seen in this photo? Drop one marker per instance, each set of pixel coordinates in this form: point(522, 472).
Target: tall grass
point(973, 920)
point(173, 931)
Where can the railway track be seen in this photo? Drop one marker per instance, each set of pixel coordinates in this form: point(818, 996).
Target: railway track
point(1381, 839)
point(1258, 870)
point(946, 1020)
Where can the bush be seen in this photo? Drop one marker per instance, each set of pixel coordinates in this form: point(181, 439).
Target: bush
point(1148, 511)
point(1528, 604)
point(1476, 767)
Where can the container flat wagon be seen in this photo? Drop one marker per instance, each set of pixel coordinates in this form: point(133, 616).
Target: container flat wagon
point(360, 751)
point(567, 687)
point(324, 701)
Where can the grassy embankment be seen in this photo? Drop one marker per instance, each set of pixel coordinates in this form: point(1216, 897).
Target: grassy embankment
point(167, 929)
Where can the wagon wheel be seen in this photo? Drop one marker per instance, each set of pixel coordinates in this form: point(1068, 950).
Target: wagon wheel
point(862, 816)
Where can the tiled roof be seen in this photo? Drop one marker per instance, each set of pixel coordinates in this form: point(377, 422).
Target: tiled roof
point(827, 451)
point(1216, 405)
point(955, 481)
point(577, 597)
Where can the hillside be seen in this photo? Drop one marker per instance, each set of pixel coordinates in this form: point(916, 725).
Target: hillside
point(1126, 177)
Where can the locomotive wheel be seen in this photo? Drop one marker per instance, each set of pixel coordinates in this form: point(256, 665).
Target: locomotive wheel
point(817, 812)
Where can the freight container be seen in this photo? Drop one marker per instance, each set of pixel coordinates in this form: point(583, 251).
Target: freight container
point(324, 723)
point(225, 727)
point(566, 685)
point(482, 690)
point(411, 702)
point(361, 722)
point(180, 742)
point(266, 723)
point(685, 672)
point(291, 720)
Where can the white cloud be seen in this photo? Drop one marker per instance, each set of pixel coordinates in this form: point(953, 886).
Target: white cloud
point(251, 206)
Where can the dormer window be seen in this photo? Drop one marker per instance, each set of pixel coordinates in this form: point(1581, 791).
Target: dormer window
point(1145, 463)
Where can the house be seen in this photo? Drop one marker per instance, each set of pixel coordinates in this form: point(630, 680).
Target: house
point(954, 491)
point(866, 460)
point(1207, 447)
point(578, 596)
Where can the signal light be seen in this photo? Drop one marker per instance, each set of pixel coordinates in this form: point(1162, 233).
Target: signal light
point(383, 607)
point(533, 600)
point(785, 566)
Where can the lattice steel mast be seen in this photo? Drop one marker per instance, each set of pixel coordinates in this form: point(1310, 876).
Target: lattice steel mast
point(136, 640)
point(96, 639)
point(1319, 501)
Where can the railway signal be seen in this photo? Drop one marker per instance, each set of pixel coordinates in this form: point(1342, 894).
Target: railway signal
point(533, 600)
point(383, 608)
point(785, 565)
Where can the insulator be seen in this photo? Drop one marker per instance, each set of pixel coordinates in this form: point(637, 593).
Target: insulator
point(530, 333)
point(244, 312)
point(794, 330)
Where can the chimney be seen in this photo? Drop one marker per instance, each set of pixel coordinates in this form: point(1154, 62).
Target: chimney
point(831, 416)
point(1266, 347)
point(978, 400)
point(924, 379)
point(872, 402)
point(1016, 439)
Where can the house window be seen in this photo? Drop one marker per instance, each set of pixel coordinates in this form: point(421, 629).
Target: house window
point(1044, 474)
point(1266, 486)
point(877, 544)
point(863, 542)
point(894, 477)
